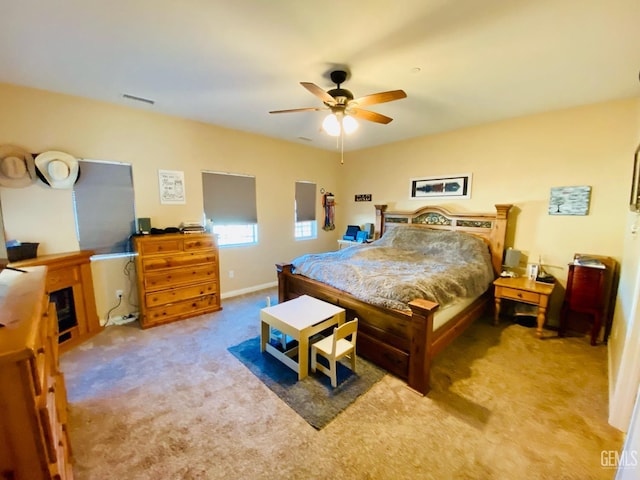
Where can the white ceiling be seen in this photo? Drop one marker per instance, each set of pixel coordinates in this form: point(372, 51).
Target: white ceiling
point(228, 63)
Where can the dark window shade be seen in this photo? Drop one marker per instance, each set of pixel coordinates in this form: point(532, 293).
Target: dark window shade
point(104, 204)
point(229, 199)
point(305, 201)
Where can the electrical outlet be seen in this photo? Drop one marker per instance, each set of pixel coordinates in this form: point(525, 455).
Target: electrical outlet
point(231, 273)
point(118, 294)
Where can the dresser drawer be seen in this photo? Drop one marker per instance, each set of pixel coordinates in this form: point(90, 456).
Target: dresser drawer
point(173, 277)
point(62, 468)
point(61, 398)
point(519, 295)
point(189, 308)
point(162, 245)
point(51, 429)
point(198, 243)
point(164, 297)
point(57, 279)
point(151, 264)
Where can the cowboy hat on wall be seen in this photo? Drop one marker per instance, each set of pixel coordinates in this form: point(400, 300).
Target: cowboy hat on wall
point(57, 169)
point(17, 168)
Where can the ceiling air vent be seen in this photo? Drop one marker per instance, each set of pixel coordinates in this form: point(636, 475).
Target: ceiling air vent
point(138, 99)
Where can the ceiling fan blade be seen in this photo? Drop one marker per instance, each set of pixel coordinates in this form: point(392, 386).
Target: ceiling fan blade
point(318, 92)
point(381, 97)
point(308, 109)
point(370, 116)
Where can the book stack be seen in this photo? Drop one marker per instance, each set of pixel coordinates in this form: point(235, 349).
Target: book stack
point(191, 227)
point(587, 261)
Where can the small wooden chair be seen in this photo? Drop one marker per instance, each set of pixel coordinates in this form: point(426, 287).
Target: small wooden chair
point(334, 347)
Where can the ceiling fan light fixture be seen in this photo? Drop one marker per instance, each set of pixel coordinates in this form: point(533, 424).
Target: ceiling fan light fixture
point(331, 125)
point(334, 124)
point(349, 124)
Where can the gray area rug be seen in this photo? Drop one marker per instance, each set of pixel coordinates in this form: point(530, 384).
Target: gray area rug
point(313, 398)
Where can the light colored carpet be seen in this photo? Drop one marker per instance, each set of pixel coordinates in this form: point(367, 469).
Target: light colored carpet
point(172, 403)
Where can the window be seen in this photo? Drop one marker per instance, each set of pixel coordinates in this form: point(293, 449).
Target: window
point(230, 204)
point(306, 230)
point(103, 202)
point(306, 226)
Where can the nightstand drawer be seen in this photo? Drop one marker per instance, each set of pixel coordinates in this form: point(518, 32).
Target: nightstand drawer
point(520, 295)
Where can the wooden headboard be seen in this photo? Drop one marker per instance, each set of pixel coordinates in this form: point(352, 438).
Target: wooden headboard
point(491, 227)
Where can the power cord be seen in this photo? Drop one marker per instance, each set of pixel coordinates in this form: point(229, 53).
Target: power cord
point(109, 312)
point(129, 272)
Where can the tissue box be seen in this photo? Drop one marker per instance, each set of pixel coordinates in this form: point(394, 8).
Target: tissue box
point(24, 251)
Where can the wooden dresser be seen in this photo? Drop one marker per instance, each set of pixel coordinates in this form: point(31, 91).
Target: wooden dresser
point(178, 276)
point(33, 402)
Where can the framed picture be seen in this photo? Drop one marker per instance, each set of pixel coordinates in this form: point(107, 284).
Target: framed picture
point(449, 186)
point(569, 200)
point(634, 201)
point(171, 187)
point(532, 271)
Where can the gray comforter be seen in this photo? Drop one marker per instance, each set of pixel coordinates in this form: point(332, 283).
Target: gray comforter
point(405, 264)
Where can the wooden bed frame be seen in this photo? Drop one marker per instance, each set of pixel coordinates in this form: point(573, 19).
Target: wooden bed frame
point(404, 343)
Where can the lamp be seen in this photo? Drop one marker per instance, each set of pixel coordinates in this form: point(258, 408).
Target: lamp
point(349, 124)
point(331, 125)
point(511, 261)
point(336, 123)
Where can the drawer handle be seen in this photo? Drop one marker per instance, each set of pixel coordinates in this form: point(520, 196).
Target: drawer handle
point(40, 350)
point(519, 295)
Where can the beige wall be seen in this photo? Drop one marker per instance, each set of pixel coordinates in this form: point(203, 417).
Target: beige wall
point(517, 161)
point(41, 121)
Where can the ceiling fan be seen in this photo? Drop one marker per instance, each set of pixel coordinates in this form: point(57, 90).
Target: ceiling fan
point(343, 105)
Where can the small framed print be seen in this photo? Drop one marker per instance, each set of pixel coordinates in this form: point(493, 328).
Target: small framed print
point(448, 186)
point(569, 200)
point(171, 187)
point(532, 271)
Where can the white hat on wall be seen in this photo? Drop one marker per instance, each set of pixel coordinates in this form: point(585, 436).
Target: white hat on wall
point(17, 168)
point(57, 169)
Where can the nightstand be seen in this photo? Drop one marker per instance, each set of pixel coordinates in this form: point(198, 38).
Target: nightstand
point(522, 289)
point(590, 290)
point(347, 243)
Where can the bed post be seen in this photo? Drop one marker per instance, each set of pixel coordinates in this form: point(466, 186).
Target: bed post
point(283, 269)
point(420, 348)
point(379, 225)
point(498, 235)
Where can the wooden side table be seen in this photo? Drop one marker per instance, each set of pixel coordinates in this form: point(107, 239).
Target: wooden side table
point(522, 289)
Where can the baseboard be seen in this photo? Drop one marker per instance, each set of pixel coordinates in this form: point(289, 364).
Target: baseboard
point(243, 291)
